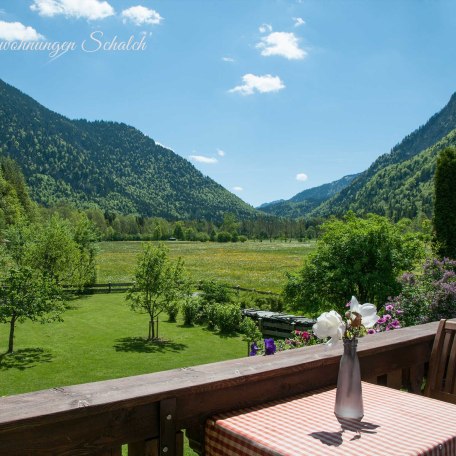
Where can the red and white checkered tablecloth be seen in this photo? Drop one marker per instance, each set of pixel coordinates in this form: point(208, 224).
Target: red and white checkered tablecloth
point(395, 423)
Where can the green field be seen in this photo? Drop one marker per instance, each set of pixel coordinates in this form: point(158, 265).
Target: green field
point(259, 265)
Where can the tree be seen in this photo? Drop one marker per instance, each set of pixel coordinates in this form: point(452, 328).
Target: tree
point(355, 256)
point(445, 203)
point(158, 281)
point(28, 295)
point(54, 251)
point(179, 231)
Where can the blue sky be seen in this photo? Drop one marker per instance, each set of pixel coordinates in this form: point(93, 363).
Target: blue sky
point(267, 97)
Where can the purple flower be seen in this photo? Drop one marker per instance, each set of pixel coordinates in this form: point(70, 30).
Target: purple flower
point(253, 349)
point(395, 324)
point(399, 312)
point(387, 317)
point(381, 320)
point(269, 347)
point(371, 331)
point(389, 307)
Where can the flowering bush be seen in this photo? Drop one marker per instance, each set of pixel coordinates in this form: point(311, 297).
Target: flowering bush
point(391, 319)
point(300, 339)
point(268, 347)
point(429, 296)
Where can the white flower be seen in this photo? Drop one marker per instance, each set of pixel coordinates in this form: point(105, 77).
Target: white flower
point(329, 324)
point(367, 311)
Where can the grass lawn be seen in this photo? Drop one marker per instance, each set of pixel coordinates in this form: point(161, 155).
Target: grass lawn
point(101, 338)
point(259, 265)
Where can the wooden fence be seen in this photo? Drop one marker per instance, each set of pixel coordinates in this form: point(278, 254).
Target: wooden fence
point(122, 287)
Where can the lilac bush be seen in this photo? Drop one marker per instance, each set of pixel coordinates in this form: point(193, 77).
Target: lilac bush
point(430, 295)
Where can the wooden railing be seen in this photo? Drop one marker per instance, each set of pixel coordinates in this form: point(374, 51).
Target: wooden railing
point(147, 412)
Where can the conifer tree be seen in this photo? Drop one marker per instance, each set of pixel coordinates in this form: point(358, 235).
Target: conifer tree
point(445, 203)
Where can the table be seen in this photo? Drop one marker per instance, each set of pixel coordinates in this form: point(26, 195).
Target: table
point(395, 423)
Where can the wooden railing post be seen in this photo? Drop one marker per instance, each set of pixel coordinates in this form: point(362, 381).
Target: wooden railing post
point(168, 427)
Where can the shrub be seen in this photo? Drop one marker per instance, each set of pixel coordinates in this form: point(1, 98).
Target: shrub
point(190, 309)
point(213, 291)
point(172, 309)
point(249, 329)
point(223, 236)
point(242, 238)
point(227, 317)
point(202, 237)
point(429, 296)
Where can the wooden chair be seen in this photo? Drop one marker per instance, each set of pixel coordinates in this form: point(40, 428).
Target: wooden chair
point(441, 382)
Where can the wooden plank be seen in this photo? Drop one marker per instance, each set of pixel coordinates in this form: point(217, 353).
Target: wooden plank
point(180, 443)
point(394, 379)
point(434, 360)
point(117, 451)
point(168, 426)
point(87, 435)
point(451, 367)
point(144, 448)
point(416, 378)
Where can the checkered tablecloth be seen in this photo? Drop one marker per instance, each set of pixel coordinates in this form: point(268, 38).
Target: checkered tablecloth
point(395, 423)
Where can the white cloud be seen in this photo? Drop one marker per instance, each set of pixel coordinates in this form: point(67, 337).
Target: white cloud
point(285, 44)
point(228, 59)
point(261, 84)
point(220, 152)
point(263, 28)
point(237, 189)
point(204, 159)
point(141, 15)
point(86, 9)
point(301, 177)
point(298, 21)
point(15, 31)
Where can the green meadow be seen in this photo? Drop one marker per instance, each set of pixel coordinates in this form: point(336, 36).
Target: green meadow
point(258, 265)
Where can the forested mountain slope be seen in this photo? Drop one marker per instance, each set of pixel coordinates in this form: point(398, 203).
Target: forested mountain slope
point(105, 164)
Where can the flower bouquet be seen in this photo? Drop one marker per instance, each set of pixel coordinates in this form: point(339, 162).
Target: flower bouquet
point(358, 319)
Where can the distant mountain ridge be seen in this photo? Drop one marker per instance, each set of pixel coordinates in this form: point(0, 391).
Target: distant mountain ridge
point(105, 164)
point(398, 184)
point(307, 200)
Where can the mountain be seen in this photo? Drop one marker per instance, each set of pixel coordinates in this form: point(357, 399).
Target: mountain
point(399, 184)
point(307, 200)
point(109, 165)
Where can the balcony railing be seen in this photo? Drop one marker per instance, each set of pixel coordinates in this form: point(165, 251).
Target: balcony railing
point(147, 412)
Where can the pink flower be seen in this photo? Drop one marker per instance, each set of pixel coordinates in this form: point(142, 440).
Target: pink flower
point(389, 308)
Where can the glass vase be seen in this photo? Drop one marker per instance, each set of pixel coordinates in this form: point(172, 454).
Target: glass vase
point(349, 398)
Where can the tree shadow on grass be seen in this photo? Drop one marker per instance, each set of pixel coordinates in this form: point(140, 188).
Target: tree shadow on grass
point(142, 345)
point(24, 358)
point(223, 335)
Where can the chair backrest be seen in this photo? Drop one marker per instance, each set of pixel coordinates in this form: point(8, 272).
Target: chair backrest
point(441, 381)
